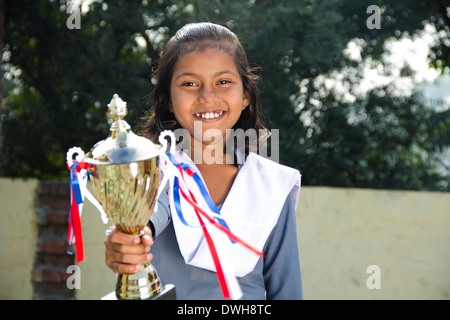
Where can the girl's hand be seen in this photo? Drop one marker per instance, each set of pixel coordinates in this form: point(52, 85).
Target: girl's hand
point(126, 253)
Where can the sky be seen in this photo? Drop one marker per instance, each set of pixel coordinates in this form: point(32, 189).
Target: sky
point(350, 83)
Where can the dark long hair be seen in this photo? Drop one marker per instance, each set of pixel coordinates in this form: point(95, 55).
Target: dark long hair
point(197, 36)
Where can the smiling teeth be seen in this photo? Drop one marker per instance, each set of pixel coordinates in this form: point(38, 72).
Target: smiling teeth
point(209, 115)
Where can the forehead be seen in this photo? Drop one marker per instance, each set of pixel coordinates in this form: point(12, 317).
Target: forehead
point(224, 45)
point(208, 60)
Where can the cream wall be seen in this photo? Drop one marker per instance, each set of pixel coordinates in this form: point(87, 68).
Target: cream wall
point(340, 232)
point(17, 237)
point(406, 234)
point(97, 279)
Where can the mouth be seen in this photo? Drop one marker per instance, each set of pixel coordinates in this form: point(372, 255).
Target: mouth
point(210, 115)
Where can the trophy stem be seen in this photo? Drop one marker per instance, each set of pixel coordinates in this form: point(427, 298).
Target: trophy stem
point(143, 285)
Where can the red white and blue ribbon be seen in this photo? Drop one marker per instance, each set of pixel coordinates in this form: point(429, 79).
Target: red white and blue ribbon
point(78, 170)
point(75, 235)
point(184, 179)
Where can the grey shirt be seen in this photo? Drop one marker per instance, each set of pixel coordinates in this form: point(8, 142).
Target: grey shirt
point(276, 275)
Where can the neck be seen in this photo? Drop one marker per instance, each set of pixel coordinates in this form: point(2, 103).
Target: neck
point(209, 154)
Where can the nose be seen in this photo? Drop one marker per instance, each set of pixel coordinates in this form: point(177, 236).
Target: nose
point(207, 95)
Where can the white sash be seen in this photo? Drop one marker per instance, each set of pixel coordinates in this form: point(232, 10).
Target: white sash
point(251, 210)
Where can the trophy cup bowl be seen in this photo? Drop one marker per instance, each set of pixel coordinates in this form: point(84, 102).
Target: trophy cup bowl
point(127, 193)
point(125, 179)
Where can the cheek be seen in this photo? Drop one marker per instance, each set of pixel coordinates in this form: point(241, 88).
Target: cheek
point(175, 102)
point(181, 111)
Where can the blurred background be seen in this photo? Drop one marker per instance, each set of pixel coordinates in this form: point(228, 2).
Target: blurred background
point(360, 90)
point(358, 107)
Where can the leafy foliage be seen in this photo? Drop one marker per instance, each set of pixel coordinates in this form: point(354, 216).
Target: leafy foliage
point(378, 139)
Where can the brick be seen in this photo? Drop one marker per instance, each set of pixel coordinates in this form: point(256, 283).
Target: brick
point(65, 276)
point(51, 259)
point(56, 202)
point(55, 247)
point(54, 188)
point(60, 231)
point(57, 217)
point(56, 289)
point(51, 275)
point(61, 260)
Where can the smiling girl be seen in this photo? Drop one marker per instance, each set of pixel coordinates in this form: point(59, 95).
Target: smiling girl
point(203, 80)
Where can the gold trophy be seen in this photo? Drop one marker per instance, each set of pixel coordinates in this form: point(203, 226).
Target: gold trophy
point(125, 179)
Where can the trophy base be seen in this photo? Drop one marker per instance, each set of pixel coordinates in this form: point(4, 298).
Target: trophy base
point(168, 293)
point(143, 285)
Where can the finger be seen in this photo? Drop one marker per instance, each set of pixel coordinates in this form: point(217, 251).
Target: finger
point(127, 249)
point(147, 231)
point(126, 268)
point(125, 258)
point(123, 238)
point(139, 248)
point(130, 258)
point(122, 268)
point(147, 238)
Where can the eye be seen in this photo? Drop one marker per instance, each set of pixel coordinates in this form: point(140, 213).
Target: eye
point(188, 84)
point(222, 82)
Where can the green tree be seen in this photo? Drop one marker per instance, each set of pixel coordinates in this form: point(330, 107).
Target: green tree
point(64, 79)
point(69, 75)
point(297, 42)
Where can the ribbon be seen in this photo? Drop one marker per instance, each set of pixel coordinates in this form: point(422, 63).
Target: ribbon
point(75, 234)
point(182, 167)
point(227, 281)
point(219, 270)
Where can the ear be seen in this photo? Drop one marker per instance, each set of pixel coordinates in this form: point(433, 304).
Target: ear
point(245, 100)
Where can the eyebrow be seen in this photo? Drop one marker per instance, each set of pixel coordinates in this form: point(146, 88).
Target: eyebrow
point(217, 74)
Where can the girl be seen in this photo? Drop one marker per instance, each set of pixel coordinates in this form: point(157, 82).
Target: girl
point(206, 88)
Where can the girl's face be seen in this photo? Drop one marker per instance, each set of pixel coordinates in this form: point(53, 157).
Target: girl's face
point(206, 89)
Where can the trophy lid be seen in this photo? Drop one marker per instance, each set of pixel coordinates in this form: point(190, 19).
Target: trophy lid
point(122, 145)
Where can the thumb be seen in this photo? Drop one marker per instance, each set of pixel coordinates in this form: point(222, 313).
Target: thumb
point(147, 238)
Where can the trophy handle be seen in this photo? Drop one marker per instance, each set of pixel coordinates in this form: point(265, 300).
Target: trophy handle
point(71, 152)
point(80, 157)
point(163, 141)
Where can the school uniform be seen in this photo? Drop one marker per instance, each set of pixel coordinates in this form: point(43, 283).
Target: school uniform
point(260, 209)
